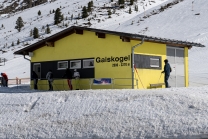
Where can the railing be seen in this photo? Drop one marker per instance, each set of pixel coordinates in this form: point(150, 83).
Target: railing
point(18, 82)
point(61, 84)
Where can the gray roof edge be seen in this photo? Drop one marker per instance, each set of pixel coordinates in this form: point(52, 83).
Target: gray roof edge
point(124, 34)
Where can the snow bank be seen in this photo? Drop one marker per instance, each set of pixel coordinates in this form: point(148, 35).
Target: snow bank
point(156, 113)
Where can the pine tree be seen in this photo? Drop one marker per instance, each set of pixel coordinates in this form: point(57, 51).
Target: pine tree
point(31, 33)
point(58, 17)
point(71, 16)
point(48, 30)
point(89, 9)
point(29, 2)
point(2, 25)
point(136, 8)
point(109, 12)
point(91, 4)
point(18, 42)
point(79, 16)
point(130, 10)
point(114, 11)
point(19, 24)
point(131, 2)
point(12, 43)
point(39, 12)
point(35, 33)
point(62, 17)
point(84, 12)
point(121, 2)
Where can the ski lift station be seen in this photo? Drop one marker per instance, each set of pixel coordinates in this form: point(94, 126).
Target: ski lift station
point(108, 59)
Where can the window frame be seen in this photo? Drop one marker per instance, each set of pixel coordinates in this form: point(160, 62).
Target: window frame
point(85, 67)
point(62, 62)
point(155, 66)
point(76, 67)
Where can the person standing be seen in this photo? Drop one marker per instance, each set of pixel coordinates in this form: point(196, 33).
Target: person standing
point(68, 76)
point(76, 77)
point(35, 80)
point(49, 77)
point(4, 80)
point(167, 70)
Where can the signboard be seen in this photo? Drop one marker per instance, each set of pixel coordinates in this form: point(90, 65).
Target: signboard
point(102, 81)
point(116, 61)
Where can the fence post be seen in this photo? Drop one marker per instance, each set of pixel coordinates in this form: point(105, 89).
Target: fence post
point(137, 83)
point(112, 81)
point(16, 81)
point(90, 83)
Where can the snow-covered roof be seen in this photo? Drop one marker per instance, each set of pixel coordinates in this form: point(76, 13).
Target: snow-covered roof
point(124, 36)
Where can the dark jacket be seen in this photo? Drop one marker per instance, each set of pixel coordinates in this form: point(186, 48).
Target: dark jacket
point(167, 69)
point(34, 75)
point(68, 74)
point(49, 76)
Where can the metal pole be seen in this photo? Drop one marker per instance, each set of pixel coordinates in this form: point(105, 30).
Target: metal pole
point(132, 52)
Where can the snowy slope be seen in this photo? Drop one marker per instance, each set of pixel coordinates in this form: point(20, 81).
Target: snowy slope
point(106, 114)
point(179, 113)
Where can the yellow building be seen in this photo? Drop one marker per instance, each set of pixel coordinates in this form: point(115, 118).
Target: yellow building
point(104, 59)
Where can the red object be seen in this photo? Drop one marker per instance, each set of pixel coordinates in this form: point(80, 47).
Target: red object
point(70, 84)
point(4, 76)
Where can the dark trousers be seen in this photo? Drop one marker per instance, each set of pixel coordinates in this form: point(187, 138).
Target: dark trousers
point(50, 85)
point(35, 83)
point(4, 82)
point(166, 81)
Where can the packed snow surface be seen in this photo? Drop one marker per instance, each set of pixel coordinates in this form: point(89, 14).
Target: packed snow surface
point(155, 113)
point(142, 114)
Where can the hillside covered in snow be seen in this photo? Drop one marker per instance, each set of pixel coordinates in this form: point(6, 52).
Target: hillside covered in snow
point(173, 19)
point(179, 113)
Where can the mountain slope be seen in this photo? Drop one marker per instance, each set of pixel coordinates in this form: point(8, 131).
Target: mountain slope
point(176, 22)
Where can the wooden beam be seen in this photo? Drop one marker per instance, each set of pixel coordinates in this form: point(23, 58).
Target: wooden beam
point(49, 44)
point(125, 39)
point(100, 35)
point(79, 31)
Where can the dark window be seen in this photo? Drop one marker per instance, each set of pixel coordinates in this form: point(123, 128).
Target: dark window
point(147, 61)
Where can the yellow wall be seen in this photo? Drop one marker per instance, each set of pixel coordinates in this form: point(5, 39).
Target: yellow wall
point(88, 45)
point(150, 76)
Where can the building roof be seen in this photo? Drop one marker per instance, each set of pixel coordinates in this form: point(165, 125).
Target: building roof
point(101, 34)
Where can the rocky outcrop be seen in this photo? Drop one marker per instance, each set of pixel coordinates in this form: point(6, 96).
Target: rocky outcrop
point(16, 6)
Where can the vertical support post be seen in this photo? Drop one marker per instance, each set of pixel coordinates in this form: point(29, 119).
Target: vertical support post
point(17, 81)
point(132, 60)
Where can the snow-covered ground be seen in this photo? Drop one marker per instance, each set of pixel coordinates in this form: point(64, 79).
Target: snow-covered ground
point(106, 114)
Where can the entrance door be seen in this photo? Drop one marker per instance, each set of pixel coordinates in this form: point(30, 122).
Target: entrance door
point(36, 68)
point(175, 57)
